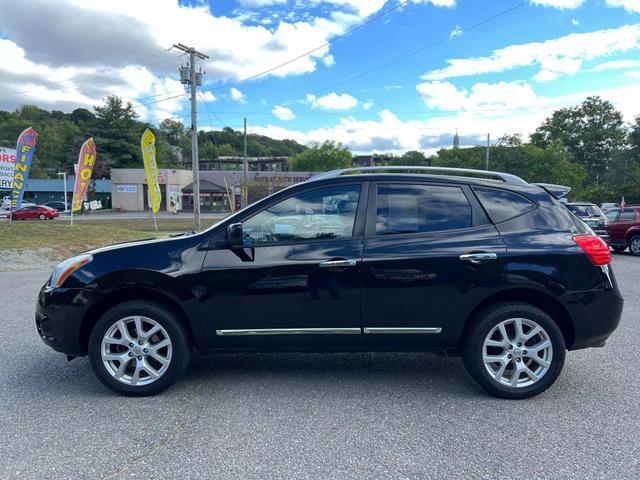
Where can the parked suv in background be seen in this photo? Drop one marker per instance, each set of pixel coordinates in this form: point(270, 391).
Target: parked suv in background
point(624, 229)
point(494, 269)
point(590, 214)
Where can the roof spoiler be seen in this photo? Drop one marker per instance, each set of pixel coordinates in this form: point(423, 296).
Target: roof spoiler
point(556, 191)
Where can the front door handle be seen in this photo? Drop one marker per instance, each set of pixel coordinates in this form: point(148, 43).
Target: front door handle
point(478, 257)
point(337, 263)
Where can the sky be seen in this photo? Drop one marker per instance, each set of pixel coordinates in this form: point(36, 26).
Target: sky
point(376, 75)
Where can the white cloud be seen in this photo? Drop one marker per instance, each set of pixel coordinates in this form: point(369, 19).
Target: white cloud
point(260, 3)
point(208, 96)
point(237, 95)
point(562, 56)
point(364, 8)
point(632, 74)
point(562, 4)
point(575, 22)
point(629, 5)
point(456, 32)
point(488, 112)
point(332, 101)
point(328, 60)
point(368, 104)
point(283, 113)
point(616, 65)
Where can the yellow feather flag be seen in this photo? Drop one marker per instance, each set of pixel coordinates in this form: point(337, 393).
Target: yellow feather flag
point(148, 145)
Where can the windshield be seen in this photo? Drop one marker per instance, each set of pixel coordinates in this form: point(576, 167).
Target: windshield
point(584, 210)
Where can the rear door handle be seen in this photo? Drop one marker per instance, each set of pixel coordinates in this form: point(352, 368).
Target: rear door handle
point(478, 257)
point(337, 263)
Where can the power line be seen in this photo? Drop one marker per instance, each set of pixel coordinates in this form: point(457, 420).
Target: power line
point(315, 49)
point(410, 54)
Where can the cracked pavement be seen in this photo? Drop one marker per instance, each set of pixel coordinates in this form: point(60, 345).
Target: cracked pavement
point(257, 416)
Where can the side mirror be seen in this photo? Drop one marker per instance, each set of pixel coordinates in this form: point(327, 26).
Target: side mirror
point(235, 237)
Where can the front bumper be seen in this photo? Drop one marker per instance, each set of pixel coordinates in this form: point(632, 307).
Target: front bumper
point(58, 317)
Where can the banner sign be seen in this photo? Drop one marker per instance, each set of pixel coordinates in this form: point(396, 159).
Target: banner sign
point(148, 145)
point(7, 164)
point(84, 170)
point(24, 155)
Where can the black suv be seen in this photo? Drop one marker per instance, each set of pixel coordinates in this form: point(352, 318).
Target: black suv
point(479, 264)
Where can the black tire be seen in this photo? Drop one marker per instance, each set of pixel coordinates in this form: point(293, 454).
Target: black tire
point(618, 249)
point(472, 351)
point(181, 348)
point(634, 245)
point(42, 216)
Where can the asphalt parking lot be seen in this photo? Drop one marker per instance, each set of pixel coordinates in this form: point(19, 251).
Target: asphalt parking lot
point(327, 416)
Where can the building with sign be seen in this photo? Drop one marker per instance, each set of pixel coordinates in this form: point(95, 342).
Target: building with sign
point(40, 191)
point(218, 189)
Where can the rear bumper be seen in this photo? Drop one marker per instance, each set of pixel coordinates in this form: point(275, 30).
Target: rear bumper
point(595, 316)
point(58, 318)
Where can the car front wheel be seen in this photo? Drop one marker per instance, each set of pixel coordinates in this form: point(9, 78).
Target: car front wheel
point(42, 216)
point(138, 348)
point(514, 350)
point(634, 245)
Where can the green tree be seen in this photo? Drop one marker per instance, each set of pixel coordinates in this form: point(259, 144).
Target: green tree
point(411, 158)
point(322, 157)
point(592, 132)
point(117, 135)
point(534, 164)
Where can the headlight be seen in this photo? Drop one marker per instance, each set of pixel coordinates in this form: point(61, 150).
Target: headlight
point(66, 268)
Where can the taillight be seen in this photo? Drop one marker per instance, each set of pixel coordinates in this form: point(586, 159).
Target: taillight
point(595, 248)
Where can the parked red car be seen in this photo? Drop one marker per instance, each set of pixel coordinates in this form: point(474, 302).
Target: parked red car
point(35, 211)
point(624, 229)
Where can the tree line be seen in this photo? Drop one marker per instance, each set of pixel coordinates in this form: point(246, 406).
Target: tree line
point(588, 147)
point(117, 131)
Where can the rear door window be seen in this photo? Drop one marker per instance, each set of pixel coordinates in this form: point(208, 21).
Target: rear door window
point(405, 208)
point(502, 205)
point(627, 215)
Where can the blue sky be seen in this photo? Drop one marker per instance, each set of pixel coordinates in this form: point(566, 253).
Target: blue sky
point(503, 76)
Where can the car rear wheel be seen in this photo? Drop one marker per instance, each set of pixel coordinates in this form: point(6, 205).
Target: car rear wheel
point(139, 348)
point(514, 350)
point(634, 245)
point(619, 249)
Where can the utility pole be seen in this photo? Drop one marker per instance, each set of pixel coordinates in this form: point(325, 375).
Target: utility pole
point(245, 167)
point(189, 76)
point(486, 161)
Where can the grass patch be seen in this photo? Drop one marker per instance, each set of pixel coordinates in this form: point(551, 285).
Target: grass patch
point(63, 240)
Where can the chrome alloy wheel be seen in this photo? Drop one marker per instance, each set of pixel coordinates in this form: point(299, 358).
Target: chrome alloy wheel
point(634, 245)
point(136, 350)
point(517, 352)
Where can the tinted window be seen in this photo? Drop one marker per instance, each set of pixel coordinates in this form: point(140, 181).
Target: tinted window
point(627, 215)
point(612, 214)
point(321, 214)
point(584, 211)
point(502, 205)
point(421, 208)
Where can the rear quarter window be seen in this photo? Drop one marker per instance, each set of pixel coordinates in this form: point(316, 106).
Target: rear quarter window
point(502, 205)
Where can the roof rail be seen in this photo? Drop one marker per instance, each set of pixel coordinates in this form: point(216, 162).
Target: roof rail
point(505, 177)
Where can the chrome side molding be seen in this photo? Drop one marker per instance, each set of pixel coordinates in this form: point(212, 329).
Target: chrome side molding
point(385, 330)
point(290, 331)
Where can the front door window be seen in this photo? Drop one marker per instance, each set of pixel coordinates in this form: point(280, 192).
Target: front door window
point(323, 214)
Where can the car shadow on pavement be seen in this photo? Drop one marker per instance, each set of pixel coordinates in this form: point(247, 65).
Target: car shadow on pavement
point(424, 372)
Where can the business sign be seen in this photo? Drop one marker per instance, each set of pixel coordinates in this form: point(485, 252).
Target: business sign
point(126, 188)
point(148, 146)
point(86, 162)
point(7, 164)
point(24, 155)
